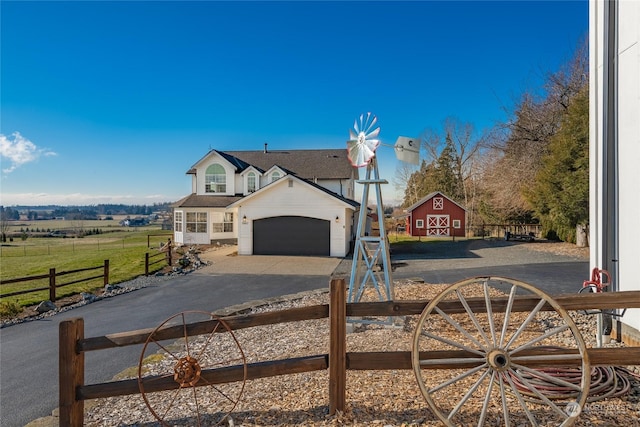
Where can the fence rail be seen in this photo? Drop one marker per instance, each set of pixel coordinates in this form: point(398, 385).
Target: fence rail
point(160, 257)
point(53, 284)
point(73, 345)
point(165, 252)
point(500, 230)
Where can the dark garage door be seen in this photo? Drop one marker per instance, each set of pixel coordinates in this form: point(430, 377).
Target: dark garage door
point(291, 235)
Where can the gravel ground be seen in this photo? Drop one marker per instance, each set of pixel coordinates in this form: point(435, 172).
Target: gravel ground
point(384, 398)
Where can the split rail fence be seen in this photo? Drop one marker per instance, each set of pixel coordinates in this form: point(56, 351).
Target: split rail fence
point(53, 283)
point(53, 275)
point(74, 345)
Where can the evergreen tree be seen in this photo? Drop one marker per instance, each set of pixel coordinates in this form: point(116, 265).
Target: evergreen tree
point(560, 193)
point(447, 180)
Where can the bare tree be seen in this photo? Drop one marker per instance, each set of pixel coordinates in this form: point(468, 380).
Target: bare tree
point(467, 147)
point(518, 146)
point(402, 182)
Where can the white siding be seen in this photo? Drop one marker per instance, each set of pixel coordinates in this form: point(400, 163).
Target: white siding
point(628, 143)
point(343, 187)
point(629, 150)
point(213, 215)
point(297, 199)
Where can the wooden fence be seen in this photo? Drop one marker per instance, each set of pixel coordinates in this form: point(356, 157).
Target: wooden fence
point(53, 283)
point(163, 254)
point(73, 346)
point(500, 230)
point(159, 257)
point(149, 260)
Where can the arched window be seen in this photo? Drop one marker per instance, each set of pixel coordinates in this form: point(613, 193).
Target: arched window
point(275, 176)
point(251, 182)
point(215, 179)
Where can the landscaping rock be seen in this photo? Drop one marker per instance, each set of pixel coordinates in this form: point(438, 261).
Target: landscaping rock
point(88, 297)
point(46, 306)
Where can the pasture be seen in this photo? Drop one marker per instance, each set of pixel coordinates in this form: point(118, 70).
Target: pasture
point(37, 252)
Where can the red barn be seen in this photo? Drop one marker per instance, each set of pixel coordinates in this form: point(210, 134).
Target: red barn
point(436, 215)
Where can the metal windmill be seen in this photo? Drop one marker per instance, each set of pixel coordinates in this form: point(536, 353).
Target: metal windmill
point(371, 265)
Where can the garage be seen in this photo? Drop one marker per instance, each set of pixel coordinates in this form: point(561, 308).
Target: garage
point(291, 235)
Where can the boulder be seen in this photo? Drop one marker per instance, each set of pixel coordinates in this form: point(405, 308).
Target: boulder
point(88, 297)
point(46, 306)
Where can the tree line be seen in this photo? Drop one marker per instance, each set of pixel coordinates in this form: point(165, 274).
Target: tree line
point(532, 169)
point(77, 212)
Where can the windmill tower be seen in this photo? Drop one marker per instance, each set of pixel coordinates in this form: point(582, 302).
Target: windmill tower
point(371, 267)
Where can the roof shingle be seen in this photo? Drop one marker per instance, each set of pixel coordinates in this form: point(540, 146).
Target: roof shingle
point(306, 164)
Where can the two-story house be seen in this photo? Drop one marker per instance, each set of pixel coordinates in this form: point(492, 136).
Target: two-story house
point(285, 202)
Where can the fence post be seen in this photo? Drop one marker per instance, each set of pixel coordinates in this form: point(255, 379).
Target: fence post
point(146, 263)
point(71, 372)
point(105, 281)
point(337, 346)
point(52, 284)
point(169, 251)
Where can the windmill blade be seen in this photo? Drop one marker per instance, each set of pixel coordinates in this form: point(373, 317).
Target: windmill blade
point(363, 140)
point(373, 134)
point(369, 123)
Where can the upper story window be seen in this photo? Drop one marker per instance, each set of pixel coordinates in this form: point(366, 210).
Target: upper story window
point(215, 179)
point(438, 203)
point(251, 182)
point(275, 176)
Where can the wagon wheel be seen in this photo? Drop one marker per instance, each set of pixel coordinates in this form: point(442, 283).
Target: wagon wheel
point(199, 376)
point(485, 373)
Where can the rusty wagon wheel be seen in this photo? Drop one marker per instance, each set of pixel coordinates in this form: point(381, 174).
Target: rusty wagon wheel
point(201, 376)
point(493, 366)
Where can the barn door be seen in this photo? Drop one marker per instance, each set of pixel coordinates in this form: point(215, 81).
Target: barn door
point(438, 225)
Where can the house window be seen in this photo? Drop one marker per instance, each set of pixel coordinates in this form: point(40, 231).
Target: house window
point(419, 223)
point(224, 226)
point(251, 182)
point(215, 179)
point(438, 203)
point(177, 219)
point(196, 222)
point(275, 176)
point(456, 223)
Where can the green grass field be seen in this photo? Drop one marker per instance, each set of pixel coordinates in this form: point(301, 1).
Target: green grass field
point(124, 247)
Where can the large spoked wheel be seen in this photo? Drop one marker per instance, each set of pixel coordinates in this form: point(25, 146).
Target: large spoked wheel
point(200, 376)
point(480, 363)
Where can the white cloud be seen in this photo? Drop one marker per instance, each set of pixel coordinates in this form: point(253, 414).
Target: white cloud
point(19, 150)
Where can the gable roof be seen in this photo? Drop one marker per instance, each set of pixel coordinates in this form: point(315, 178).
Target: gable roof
point(207, 201)
point(271, 185)
point(306, 164)
point(430, 196)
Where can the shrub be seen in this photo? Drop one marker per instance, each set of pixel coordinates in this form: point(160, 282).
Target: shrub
point(9, 308)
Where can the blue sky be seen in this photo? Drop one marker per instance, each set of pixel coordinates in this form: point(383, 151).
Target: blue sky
point(112, 102)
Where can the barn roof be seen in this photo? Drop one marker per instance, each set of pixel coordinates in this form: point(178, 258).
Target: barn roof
point(431, 196)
